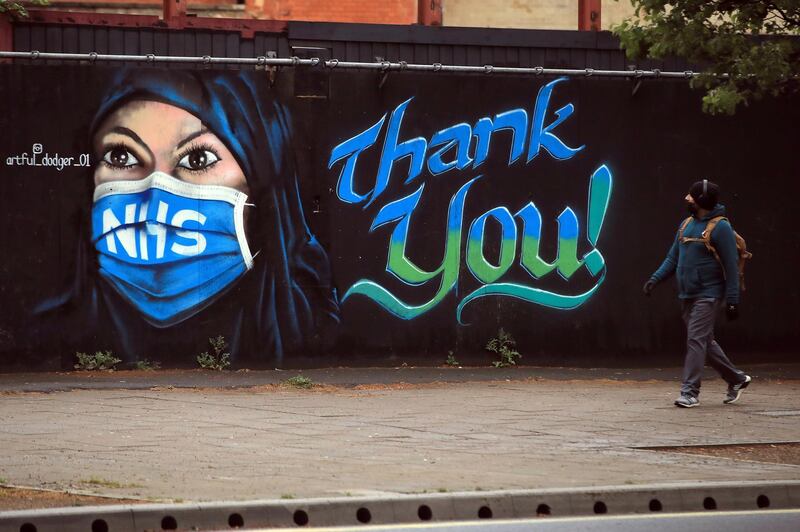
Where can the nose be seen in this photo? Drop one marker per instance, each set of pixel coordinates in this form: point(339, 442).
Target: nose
point(163, 163)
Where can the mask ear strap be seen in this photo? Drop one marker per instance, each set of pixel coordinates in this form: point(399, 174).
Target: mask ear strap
point(238, 220)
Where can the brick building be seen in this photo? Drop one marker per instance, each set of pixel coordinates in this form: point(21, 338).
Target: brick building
point(365, 11)
point(530, 14)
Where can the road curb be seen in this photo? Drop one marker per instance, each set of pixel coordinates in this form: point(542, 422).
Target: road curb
point(356, 511)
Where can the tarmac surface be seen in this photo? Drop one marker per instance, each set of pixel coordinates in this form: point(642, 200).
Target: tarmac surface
point(780, 521)
point(203, 436)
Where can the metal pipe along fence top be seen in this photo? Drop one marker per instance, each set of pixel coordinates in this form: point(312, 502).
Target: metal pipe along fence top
point(315, 62)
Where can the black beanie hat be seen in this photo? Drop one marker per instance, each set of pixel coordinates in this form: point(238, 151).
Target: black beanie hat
point(705, 194)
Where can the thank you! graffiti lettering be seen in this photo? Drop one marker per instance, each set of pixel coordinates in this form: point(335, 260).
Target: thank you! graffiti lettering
point(466, 147)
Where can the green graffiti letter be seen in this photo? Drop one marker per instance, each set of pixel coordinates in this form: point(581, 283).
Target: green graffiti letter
point(402, 267)
point(531, 237)
point(567, 263)
point(481, 268)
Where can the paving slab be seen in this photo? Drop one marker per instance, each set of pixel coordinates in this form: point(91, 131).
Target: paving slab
point(210, 442)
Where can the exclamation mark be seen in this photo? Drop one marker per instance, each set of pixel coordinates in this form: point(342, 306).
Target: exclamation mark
point(599, 198)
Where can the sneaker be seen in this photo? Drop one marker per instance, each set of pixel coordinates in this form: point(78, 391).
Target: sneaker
point(687, 401)
point(735, 390)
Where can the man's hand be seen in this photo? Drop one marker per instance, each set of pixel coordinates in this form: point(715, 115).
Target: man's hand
point(648, 287)
point(732, 311)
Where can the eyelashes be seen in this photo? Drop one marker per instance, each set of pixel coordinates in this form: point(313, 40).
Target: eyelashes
point(196, 158)
point(119, 157)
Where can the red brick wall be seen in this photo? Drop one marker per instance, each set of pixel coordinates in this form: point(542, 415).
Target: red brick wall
point(370, 11)
point(98, 3)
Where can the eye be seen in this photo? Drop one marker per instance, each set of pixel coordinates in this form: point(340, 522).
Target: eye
point(119, 157)
point(198, 159)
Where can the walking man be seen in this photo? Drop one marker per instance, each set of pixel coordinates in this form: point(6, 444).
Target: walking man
point(705, 283)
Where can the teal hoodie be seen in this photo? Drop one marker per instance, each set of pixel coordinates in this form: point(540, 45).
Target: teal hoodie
point(698, 272)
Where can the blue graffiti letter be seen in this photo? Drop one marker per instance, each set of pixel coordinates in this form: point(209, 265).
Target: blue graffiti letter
point(543, 137)
point(351, 149)
point(392, 151)
point(459, 136)
point(516, 120)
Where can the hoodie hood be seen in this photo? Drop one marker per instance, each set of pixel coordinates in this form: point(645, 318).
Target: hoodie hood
point(718, 210)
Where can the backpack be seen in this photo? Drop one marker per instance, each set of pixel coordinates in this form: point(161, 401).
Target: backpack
point(741, 246)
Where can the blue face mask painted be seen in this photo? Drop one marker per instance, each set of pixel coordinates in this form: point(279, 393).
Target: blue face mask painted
point(169, 247)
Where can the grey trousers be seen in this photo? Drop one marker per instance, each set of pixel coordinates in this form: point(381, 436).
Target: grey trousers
point(699, 316)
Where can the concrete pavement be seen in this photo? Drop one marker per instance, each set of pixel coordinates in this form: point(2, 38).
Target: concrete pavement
point(529, 430)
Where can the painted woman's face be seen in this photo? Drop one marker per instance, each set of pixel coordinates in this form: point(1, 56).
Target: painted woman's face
point(143, 137)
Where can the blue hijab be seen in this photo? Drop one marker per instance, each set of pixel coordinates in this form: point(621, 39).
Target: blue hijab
point(287, 301)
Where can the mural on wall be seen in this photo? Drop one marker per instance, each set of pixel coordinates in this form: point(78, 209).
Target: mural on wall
point(467, 148)
point(196, 223)
point(193, 225)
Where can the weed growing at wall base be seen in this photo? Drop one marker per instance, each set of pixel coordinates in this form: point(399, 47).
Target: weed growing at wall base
point(147, 365)
point(217, 360)
point(99, 361)
point(451, 359)
point(104, 483)
point(503, 344)
point(298, 381)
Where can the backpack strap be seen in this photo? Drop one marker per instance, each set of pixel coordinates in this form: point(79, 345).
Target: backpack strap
point(684, 239)
point(712, 223)
point(683, 228)
point(706, 237)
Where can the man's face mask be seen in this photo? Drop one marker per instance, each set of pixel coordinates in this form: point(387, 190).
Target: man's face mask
point(691, 207)
point(169, 247)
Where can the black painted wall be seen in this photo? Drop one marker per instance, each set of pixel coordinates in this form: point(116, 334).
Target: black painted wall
point(654, 140)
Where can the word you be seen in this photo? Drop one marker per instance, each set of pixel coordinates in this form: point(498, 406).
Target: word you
point(38, 158)
point(530, 138)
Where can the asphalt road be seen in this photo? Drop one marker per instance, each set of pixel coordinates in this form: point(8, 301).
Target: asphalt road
point(771, 520)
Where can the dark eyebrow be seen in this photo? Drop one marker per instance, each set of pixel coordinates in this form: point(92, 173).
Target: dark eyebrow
point(136, 138)
point(190, 138)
